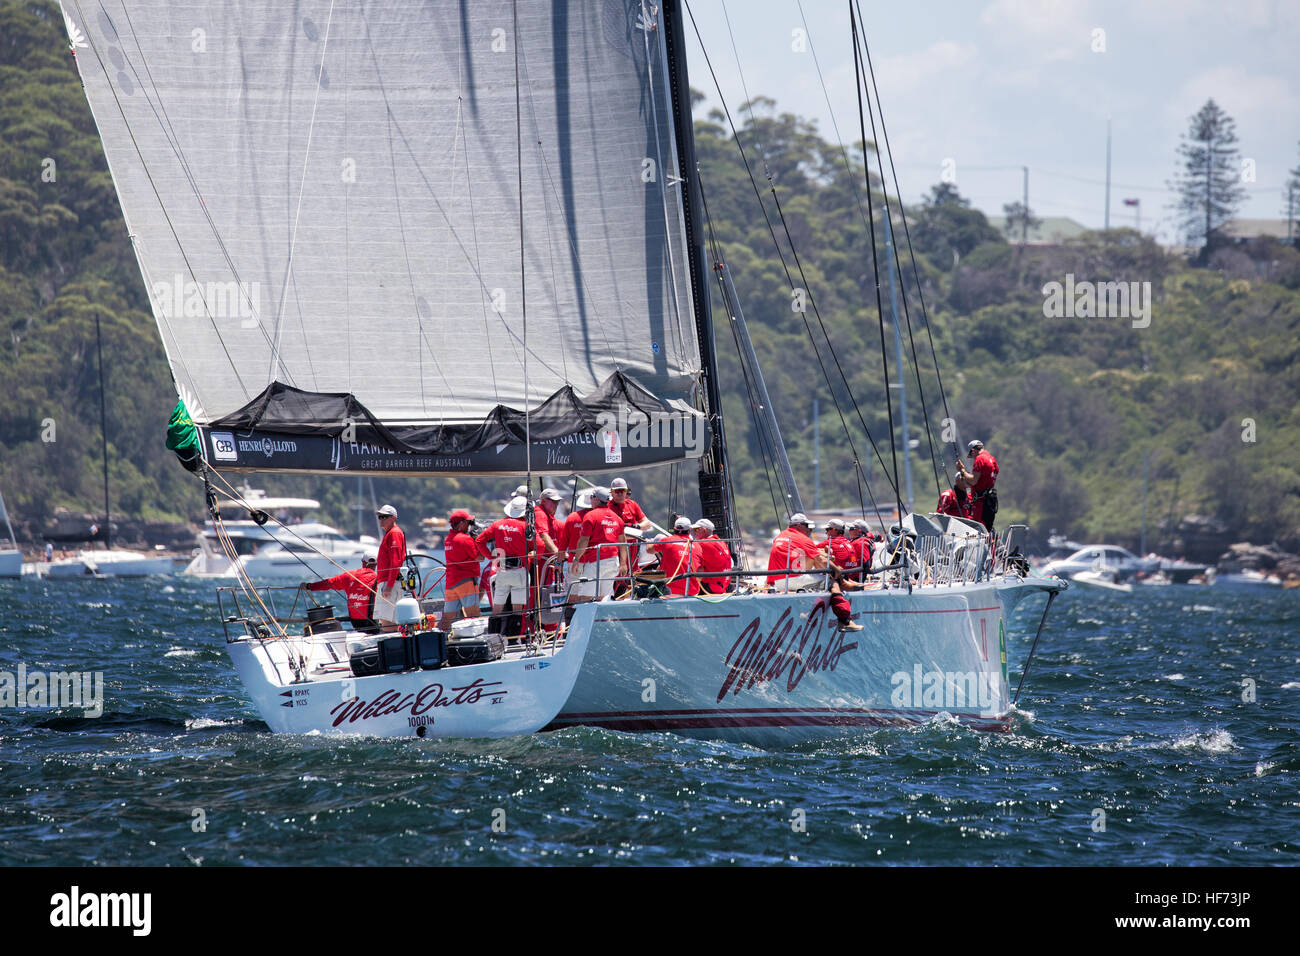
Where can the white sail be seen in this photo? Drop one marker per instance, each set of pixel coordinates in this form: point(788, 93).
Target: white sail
point(326, 197)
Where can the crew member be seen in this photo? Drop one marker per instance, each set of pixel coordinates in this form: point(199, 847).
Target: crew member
point(860, 539)
point(792, 551)
point(503, 544)
point(956, 500)
point(388, 570)
point(571, 529)
point(679, 556)
point(461, 557)
point(599, 556)
point(839, 603)
point(836, 545)
point(621, 504)
point(714, 556)
point(984, 497)
point(359, 588)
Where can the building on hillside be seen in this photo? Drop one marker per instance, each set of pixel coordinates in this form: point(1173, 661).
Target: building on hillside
point(1052, 230)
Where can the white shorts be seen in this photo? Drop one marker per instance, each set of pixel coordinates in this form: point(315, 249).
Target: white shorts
point(510, 583)
point(606, 571)
point(798, 582)
point(385, 599)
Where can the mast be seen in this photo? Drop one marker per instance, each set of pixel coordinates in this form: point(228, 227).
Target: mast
point(902, 371)
point(103, 432)
point(714, 500)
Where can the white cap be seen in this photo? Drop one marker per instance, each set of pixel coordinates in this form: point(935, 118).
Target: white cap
point(387, 510)
point(835, 523)
point(861, 524)
point(618, 483)
point(682, 524)
point(521, 492)
point(972, 445)
point(601, 493)
point(584, 499)
point(552, 494)
point(517, 507)
point(704, 523)
point(800, 518)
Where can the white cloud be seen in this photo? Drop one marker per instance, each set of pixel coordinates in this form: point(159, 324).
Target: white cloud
point(1244, 95)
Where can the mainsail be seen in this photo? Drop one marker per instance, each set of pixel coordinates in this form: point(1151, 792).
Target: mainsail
point(339, 207)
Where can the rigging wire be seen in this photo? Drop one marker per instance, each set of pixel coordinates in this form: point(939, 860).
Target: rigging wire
point(907, 234)
point(875, 266)
point(785, 266)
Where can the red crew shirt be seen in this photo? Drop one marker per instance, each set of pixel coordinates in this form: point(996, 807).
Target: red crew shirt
point(714, 556)
point(629, 511)
point(985, 470)
point(678, 556)
point(602, 528)
point(950, 504)
point(790, 549)
point(392, 555)
point(359, 586)
point(462, 556)
point(840, 548)
point(506, 535)
point(571, 531)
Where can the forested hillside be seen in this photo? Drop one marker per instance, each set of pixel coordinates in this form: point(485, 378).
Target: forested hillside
point(1208, 393)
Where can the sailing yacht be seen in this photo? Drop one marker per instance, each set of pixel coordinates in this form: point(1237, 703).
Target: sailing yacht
point(468, 239)
point(11, 558)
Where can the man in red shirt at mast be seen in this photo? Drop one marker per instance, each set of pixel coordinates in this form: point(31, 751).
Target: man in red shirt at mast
point(983, 496)
point(388, 570)
point(678, 556)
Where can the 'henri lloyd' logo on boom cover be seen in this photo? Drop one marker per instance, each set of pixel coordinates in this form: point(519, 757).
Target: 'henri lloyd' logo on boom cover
point(754, 658)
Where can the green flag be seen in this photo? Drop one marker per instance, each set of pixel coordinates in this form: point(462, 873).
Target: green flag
point(183, 437)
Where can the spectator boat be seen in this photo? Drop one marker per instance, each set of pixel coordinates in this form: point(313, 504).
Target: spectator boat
point(470, 239)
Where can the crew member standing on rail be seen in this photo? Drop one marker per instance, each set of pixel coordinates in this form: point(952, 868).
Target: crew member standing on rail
point(792, 551)
point(984, 497)
point(502, 542)
point(461, 556)
point(714, 557)
point(359, 587)
point(388, 570)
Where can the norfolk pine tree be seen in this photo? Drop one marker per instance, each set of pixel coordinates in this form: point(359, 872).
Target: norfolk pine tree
point(1209, 187)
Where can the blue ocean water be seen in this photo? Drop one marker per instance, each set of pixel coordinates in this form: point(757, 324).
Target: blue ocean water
point(1155, 728)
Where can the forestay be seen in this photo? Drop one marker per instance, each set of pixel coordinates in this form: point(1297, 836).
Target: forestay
point(325, 203)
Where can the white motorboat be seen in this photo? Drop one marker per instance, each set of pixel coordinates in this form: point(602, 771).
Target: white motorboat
point(112, 562)
point(1248, 578)
point(11, 558)
point(1102, 578)
point(283, 549)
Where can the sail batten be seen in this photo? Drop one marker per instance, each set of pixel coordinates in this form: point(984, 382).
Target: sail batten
point(326, 196)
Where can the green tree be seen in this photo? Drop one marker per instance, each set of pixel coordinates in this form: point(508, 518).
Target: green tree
point(1209, 185)
point(1019, 220)
point(947, 228)
point(1291, 205)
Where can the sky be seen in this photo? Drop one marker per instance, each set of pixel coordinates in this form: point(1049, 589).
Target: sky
point(990, 86)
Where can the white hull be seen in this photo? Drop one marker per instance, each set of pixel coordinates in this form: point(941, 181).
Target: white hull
point(773, 669)
point(11, 564)
point(1102, 579)
point(283, 567)
point(515, 695)
point(121, 564)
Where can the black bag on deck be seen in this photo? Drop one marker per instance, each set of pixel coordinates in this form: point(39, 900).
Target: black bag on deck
point(430, 649)
point(365, 663)
point(476, 650)
point(395, 654)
